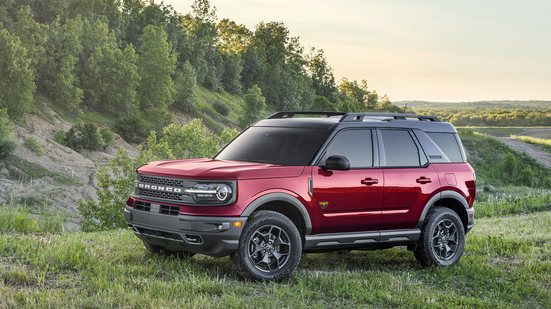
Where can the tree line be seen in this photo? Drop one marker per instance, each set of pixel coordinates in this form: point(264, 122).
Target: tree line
point(491, 116)
point(133, 59)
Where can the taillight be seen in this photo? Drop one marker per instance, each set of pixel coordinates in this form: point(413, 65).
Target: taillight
point(130, 202)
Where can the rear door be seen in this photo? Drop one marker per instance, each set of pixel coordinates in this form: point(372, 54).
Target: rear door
point(409, 179)
point(351, 200)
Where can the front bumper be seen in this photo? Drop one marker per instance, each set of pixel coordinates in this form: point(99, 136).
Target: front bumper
point(214, 236)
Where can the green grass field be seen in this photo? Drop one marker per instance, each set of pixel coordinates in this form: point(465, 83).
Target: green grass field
point(507, 263)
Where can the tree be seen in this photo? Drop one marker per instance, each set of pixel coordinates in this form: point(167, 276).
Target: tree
point(32, 35)
point(186, 87)
point(323, 80)
point(323, 104)
point(7, 145)
point(233, 38)
point(254, 106)
point(156, 66)
point(230, 78)
point(58, 77)
point(17, 79)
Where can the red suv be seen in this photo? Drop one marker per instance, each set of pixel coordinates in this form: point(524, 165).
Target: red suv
point(312, 182)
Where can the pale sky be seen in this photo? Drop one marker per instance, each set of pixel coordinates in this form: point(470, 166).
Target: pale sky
point(445, 50)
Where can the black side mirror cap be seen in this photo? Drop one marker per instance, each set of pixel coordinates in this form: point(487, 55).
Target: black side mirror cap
point(337, 163)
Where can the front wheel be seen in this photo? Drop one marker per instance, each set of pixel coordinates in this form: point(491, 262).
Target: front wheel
point(269, 249)
point(442, 239)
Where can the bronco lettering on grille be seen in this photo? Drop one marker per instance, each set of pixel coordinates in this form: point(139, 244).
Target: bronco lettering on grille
point(158, 187)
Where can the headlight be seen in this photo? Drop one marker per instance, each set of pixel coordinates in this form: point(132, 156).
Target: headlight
point(216, 193)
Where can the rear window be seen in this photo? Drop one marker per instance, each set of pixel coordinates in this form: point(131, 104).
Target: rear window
point(449, 145)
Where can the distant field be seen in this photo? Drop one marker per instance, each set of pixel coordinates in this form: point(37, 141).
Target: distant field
point(538, 132)
point(479, 104)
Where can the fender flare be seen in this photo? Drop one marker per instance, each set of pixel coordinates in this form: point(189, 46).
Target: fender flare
point(438, 196)
point(280, 197)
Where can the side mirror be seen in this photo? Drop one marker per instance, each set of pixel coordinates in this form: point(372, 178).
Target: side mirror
point(337, 163)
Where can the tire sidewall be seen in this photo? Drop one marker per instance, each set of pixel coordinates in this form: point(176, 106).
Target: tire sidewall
point(258, 221)
point(438, 216)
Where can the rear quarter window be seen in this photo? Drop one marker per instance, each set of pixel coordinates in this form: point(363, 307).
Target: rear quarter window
point(449, 144)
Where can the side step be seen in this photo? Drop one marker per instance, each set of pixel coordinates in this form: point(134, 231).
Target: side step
point(360, 239)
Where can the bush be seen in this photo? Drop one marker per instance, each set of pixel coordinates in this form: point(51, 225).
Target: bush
point(107, 136)
point(132, 128)
point(14, 218)
point(7, 145)
point(84, 136)
point(34, 146)
point(221, 108)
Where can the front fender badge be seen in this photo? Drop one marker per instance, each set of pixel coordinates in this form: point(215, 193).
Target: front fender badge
point(324, 204)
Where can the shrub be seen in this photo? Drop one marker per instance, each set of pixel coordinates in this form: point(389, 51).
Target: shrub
point(107, 136)
point(7, 145)
point(84, 136)
point(221, 108)
point(132, 128)
point(34, 146)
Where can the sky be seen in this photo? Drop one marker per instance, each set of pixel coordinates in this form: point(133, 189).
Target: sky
point(445, 50)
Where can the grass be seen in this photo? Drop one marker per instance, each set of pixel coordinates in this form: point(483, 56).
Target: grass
point(499, 165)
point(34, 146)
point(506, 264)
point(541, 142)
point(32, 170)
point(512, 201)
point(15, 218)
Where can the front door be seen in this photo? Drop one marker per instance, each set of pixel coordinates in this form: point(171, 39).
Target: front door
point(349, 201)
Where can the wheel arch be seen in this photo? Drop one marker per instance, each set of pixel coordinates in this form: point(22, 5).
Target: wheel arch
point(449, 199)
point(285, 204)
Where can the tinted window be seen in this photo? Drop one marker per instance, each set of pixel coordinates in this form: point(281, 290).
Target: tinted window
point(399, 148)
point(275, 145)
point(356, 145)
point(448, 143)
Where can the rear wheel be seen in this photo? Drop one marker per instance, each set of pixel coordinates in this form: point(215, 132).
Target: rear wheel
point(442, 239)
point(269, 249)
point(162, 251)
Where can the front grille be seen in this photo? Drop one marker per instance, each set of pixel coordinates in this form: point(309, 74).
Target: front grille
point(169, 210)
point(157, 233)
point(172, 182)
point(160, 195)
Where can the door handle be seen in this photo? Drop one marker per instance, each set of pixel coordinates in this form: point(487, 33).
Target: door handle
point(423, 180)
point(369, 181)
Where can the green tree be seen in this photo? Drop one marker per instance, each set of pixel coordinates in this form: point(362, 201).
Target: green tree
point(17, 79)
point(32, 35)
point(323, 80)
point(186, 87)
point(322, 104)
point(156, 66)
point(230, 78)
point(58, 76)
point(255, 104)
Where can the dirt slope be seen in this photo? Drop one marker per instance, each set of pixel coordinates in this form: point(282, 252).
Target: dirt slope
point(58, 178)
point(543, 157)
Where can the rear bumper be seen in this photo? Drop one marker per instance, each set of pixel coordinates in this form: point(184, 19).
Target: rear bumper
point(470, 219)
point(214, 236)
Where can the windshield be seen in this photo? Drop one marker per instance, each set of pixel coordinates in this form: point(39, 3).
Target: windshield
point(275, 145)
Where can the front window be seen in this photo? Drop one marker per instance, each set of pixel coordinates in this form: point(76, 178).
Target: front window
point(275, 145)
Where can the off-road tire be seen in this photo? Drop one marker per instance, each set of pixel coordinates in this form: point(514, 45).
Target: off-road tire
point(427, 250)
point(162, 251)
point(262, 221)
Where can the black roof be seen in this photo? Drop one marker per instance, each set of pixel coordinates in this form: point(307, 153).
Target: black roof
point(331, 120)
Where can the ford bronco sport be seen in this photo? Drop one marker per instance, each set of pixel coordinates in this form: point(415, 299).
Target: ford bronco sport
point(297, 182)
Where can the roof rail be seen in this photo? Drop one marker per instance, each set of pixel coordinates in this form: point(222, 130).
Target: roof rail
point(350, 117)
point(291, 114)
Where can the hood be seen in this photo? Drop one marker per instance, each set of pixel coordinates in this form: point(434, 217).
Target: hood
point(219, 169)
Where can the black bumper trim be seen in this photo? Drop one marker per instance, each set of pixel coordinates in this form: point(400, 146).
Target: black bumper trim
point(214, 236)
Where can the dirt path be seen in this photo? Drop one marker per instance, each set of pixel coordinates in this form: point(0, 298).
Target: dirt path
point(543, 157)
